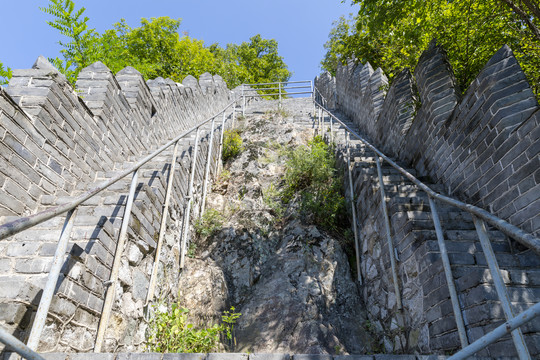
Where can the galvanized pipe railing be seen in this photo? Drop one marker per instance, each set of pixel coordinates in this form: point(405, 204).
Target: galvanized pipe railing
point(479, 216)
point(27, 222)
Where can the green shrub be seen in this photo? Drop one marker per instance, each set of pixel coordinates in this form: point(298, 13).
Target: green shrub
point(311, 173)
point(232, 144)
point(170, 332)
point(209, 223)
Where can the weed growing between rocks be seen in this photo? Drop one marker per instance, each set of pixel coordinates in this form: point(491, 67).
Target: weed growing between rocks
point(311, 174)
point(170, 332)
point(232, 144)
point(209, 223)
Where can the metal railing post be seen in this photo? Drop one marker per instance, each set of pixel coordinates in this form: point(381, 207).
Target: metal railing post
point(331, 131)
point(18, 346)
point(162, 227)
point(280, 95)
point(207, 170)
point(52, 280)
point(498, 333)
point(319, 123)
point(391, 249)
point(448, 273)
point(218, 160)
point(517, 335)
point(353, 208)
point(109, 296)
point(243, 101)
point(187, 212)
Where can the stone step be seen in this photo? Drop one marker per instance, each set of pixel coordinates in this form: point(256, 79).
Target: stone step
point(228, 356)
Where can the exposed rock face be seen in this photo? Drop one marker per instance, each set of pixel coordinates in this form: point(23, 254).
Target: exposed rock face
point(290, 280)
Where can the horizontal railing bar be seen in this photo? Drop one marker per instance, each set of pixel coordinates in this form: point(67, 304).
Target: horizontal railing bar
point(498, 333)
point(283, 88)
point(507, 228)
point(26, 222)
point(285, 82)
point(282, 94)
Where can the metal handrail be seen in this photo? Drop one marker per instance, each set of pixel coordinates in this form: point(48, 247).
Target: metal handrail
point(23, 223)
point(280, 82)
point(513, 231)
point(26, 222)
point(479, 217)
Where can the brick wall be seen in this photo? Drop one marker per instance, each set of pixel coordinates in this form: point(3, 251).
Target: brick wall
point(482, 146)
point(58, 142)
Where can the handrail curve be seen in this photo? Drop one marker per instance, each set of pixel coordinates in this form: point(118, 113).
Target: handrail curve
point(513, 231)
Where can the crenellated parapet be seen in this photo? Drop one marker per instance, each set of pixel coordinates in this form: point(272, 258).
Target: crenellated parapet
point(482, 145)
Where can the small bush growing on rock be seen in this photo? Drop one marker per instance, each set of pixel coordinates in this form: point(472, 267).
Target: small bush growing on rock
point(232, 144)
point(170, 332)
point(209, 223)
point(311, 173)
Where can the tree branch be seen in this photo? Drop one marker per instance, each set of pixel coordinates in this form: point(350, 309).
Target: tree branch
point(524, 16)
point(534, 8)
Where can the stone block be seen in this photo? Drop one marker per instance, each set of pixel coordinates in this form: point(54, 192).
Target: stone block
point(353, 357)
point(140, 356)
point(312, 357)
point(263, 356)
point(184, 356)
point(93, 356)
point(227, 356)
point(54, 356)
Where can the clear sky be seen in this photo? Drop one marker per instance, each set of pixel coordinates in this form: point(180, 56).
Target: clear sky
point(301, 27)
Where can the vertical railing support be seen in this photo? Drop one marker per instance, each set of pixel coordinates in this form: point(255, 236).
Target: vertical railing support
point(279, 95)
point(448, 273)
point(353, 208)
point(162, 227)
point(391, 249)
point(517, 335)
point(109, 295)
point(331, 130)
point(243, 101)
point(218, 160)
point(52, 280)
point(207, 170)
point(187, 212)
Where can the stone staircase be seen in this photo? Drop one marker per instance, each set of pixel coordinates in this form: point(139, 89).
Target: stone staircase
point(426, 300)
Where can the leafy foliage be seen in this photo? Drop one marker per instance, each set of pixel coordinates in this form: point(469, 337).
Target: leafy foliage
point(71, 24)
point(209, 223)
point(232, 144)
point(171, 332)
point(156, 49)
point(5, 74)
point(311, 171)
point(393, 34)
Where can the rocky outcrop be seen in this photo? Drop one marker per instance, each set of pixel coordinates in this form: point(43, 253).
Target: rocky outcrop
point(290, 280)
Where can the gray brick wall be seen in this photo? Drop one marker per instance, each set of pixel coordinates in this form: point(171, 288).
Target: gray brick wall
point(58, 142)
point(482, 146)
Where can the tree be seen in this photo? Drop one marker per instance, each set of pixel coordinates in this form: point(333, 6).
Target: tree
point(5, 74)
point(73, 25)
point(393, 34)
point(261, 60)
point(156, 49)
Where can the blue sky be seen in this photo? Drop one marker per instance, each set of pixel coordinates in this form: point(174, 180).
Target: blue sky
point(301, 27)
